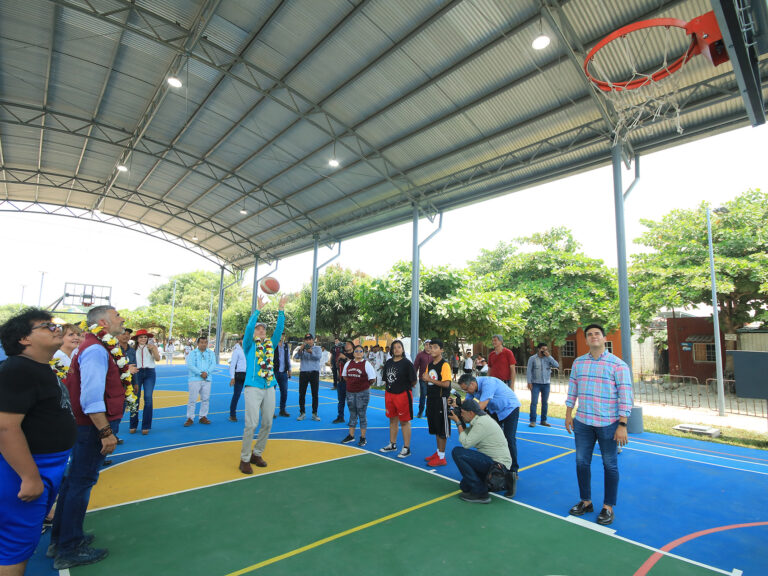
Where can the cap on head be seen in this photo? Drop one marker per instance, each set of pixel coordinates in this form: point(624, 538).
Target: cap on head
point(127, 331)
point(308, 336)
point(260, 324)
point(143, 332)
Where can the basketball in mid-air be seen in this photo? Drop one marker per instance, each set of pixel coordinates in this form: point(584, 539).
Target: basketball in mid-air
point(270, 285)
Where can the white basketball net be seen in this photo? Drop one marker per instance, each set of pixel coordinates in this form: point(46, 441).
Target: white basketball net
point(625, 60)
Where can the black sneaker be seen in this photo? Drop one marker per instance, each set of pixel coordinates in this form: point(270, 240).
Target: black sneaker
point(81, 556)
point(86, 541)
point(284, 414)
point(475, 498)
point(348, 439)
point(339, 420)
point(389, 448)
point(362, 442)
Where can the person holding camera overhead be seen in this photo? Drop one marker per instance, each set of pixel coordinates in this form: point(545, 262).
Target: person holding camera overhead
point(477, 430)
point(309, 374)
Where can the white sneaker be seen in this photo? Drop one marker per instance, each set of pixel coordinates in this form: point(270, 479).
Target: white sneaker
point(389, 448)
point(405, 452)
point(301, 416)
point(315, 417)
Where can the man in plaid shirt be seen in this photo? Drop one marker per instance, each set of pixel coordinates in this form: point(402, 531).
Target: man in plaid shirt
point(602, 384)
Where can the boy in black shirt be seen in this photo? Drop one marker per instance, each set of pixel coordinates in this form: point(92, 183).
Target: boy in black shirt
point(399, 378)
point(37, 432)
point(438, 377)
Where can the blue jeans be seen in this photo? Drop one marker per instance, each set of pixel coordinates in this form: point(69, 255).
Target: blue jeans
point(535, 390)
point(236, 392)
point(509, 426)
point(341, 394)
point(585, 437)
point(144, 378)
point(422, 395)
point(282, 384)
point(84, 466)
point(473, 466)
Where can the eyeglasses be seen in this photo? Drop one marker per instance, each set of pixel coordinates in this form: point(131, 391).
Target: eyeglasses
point(359, 350)
point(52, 326)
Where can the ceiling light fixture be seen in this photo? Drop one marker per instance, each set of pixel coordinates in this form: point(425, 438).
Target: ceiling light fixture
point(333, 162)
point(243, 211)
point(174, 81)
point(542, 40)
point(194, 236)
point(122, 168)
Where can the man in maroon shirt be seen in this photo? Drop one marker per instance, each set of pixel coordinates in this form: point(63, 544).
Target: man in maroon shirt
point(420, 364)
point(501, 362)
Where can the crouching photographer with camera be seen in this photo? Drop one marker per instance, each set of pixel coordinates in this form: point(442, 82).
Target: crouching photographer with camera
point(478, 430)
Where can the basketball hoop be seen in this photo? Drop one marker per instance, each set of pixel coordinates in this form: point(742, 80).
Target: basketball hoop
point(642, 89)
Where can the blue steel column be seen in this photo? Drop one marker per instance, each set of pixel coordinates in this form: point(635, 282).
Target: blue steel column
point(313, 302)
point(255, 297)
point(415, 288)
point(220, 315)
point(716, 322)
point(621, 254)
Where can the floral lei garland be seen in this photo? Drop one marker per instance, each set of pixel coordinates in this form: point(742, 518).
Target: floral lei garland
point(265, 358)
point(59, 369)
point(113, 347)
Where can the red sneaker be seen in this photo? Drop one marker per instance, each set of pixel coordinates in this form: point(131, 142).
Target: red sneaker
point(437, 461)
point(430, 457)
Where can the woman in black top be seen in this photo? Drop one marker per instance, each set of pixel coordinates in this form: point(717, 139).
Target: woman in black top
point(399, 377)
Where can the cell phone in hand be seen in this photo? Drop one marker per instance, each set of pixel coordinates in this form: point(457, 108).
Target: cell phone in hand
point(151, 341)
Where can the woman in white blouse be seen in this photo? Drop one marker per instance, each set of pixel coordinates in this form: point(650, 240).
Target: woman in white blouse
point(147, 356)
point(71, 334)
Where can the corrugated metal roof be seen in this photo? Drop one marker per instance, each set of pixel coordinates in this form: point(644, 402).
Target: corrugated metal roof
point(439, 103)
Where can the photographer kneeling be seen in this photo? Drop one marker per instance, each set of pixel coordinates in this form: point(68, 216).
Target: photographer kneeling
point(477, 429)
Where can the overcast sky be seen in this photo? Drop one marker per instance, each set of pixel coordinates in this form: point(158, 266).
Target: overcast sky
point(715, 169)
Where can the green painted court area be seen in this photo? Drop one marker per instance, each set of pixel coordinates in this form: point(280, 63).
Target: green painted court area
point(322, 519)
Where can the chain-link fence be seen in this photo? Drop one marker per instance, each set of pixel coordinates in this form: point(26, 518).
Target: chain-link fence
point(669, 390)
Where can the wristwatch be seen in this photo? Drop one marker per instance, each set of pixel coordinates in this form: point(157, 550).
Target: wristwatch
point(623, 424)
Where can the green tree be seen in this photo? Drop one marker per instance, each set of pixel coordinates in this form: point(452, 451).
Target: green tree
point(337, 309)
point(452, 304)
point(565, 288)
point(194, 290)
point(675, 272)
point(187, 321)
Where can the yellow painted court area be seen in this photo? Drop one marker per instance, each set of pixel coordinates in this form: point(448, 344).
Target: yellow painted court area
point(166, 399)
point(198, 466)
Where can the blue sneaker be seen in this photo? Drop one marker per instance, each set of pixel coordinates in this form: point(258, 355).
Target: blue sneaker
point(82, 555)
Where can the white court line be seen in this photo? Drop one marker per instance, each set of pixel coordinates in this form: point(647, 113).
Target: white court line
point(245, 477)
point(563, 519)
point(590, 525)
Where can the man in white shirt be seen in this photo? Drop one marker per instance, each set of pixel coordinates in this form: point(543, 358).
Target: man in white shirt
point(200, 362)
point(169, 350)
point(236, 377)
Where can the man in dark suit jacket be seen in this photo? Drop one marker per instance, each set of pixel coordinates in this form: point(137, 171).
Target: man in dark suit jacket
point(283, 372)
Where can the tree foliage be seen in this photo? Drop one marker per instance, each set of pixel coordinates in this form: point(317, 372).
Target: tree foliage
point(452, 303)
point(194, 290)
point(565, 288)
point(675, 273)
point(187, 321)
point(337, 309)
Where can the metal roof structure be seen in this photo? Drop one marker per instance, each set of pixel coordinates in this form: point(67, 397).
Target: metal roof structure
point(434, 104)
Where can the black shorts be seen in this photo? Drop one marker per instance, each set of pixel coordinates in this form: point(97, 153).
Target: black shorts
point(437, 417)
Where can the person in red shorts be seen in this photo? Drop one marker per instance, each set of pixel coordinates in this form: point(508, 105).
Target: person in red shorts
point(399, 379)
point(501, 362)
point(438, 379)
